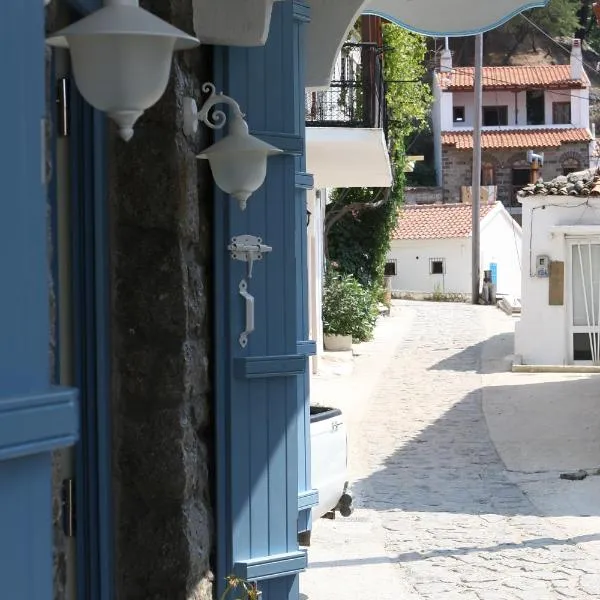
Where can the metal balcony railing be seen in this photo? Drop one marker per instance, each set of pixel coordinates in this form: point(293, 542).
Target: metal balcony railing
point(356, 96)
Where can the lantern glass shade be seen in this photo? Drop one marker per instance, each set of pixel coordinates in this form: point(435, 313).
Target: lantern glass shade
point(239, 164)
point(121, 58)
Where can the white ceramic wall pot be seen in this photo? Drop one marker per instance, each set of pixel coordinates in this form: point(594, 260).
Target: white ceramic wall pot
point(337, 343)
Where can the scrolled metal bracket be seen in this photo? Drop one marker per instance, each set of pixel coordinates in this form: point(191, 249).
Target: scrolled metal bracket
point(215, 119)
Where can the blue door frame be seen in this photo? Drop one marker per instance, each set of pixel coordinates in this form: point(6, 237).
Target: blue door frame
point(93, 484)
point(91, 347)
point(263, 466)
point(35, 418)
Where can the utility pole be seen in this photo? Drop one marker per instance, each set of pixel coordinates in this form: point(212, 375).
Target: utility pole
point(476, 183)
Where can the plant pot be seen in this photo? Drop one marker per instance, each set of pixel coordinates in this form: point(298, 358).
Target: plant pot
point(337, 343)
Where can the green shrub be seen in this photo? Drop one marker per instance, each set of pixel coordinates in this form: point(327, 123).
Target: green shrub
point(348, 307)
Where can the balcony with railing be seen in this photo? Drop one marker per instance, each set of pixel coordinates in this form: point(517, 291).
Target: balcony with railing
point(346, 143)
point(356, 96)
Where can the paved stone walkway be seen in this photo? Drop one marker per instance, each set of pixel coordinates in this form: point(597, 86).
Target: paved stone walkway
point(437, 509)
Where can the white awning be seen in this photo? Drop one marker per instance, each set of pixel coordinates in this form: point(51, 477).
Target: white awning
point(347, 157)
point(332, 19)
point(232, 22)
point(449, 17)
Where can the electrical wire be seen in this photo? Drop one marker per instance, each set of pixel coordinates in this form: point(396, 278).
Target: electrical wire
point(595, 69)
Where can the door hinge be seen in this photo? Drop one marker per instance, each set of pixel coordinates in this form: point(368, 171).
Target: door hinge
point(68, 507)
point(63, 107)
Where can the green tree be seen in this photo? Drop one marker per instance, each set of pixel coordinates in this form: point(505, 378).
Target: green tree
point(408, 97)
point(359, 221)
point(558, 18)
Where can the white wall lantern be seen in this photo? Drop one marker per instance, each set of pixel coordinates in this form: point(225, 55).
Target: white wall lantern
point(239, 160)
point(121, 56)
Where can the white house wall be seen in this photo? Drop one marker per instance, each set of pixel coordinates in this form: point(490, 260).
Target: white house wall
point(412, 265)
point(316, 269)
point(442, 103)
point(501, 243)
point(517, 107)
point(541, 335)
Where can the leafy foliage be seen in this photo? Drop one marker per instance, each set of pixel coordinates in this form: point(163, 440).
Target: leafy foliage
point(236, 585)
point(359, 221)
point(348, 307)
point(359, 241)
point(408, 98)
point(558, 18)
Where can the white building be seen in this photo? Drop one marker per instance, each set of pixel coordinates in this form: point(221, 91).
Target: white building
point(561, 273)
point(431, 249)
point(544, 108)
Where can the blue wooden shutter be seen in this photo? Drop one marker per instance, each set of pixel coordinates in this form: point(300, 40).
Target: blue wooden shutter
point(261, 390)
point(34, 418)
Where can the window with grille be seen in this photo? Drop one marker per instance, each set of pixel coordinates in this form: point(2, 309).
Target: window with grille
point(437, 266)
point(390, 268)
point(561, 113)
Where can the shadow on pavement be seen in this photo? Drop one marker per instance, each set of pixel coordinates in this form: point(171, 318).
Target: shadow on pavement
point(453, 466)
point(543, 542)
point(470, 359)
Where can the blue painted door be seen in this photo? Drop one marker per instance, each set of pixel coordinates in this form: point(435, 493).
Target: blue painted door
point(263, 469)
point(79, 211)
point(35, 418)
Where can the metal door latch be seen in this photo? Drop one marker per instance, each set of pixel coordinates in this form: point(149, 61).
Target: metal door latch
point(247, 248)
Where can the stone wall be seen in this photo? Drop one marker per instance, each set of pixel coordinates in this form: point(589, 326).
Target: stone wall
point(422, 195)
point(458, 165)
point(161, 202)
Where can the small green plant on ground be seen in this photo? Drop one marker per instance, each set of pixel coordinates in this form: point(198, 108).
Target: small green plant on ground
point(348, 307)
point(438, 295)
point(235, 586)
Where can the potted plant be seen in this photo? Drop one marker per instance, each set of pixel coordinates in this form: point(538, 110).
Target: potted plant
point(349, 311)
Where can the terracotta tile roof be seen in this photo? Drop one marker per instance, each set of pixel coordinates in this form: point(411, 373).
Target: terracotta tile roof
point(516, 138)
point(513, 78)
point(435, 221)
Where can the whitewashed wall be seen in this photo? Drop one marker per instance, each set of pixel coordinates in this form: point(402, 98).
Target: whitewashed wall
point(541, 335)
point(517, 107)
point(316, 270)
point(501, 243)
point(412, 265)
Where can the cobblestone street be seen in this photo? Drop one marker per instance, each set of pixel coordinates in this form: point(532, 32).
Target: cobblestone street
point(438, 515)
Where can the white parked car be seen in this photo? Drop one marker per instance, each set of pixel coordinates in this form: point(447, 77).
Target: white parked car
point(329, 462)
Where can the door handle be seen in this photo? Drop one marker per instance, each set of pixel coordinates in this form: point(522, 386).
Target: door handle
point(249, 300)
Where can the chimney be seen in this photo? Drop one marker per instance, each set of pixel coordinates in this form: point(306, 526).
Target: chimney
point(446, 61)
point(576, 60)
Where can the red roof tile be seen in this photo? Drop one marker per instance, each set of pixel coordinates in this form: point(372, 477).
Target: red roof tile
point(436, 221)
point(516, 138)
point(513, 78)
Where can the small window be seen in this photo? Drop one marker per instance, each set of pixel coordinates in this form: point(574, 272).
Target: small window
point(535, 107)
point(458, 114)
point(390, 268)
point(495, 115)
point(561, 113)
point(436, 266)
